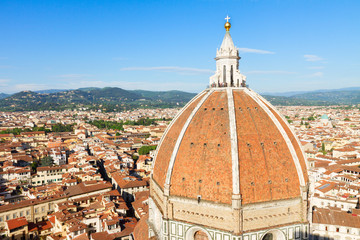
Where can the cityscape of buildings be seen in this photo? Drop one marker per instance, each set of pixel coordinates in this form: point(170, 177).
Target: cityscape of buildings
point(96, 189)
point(226, 166)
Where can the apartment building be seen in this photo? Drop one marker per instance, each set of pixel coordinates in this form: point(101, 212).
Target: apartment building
point(49, 174)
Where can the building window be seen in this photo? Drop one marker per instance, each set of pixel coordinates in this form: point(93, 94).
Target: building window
point(7, 217)
point(36, 210)
point(268, 236)
point(326, 228)
point(1, 219)
point(27, 212)
point(14, 215)
point(42, 209)
point(337, 229)
point(21, 213)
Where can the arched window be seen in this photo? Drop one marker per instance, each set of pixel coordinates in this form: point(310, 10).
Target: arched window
point(200, 235)
point(231, 76)
point(274, 235)
point(268, 236)
point(224, 74)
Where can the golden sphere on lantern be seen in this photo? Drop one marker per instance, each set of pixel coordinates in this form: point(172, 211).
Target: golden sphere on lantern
point(227, 26)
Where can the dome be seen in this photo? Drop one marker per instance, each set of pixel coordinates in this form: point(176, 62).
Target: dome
point(325, 117)
point(229, 161)
point(228, 141)
point(228, 165)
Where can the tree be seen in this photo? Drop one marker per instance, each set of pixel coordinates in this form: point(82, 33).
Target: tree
point(142, 121)
point(101, 124)
point(146, 149)
point(347, 119)
point(323, 148)
point(46, 161)
point(62, 128)
point(34, 166)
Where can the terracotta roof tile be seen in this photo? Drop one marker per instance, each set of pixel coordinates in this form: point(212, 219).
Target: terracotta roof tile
point(16, 223)
point(168, 144)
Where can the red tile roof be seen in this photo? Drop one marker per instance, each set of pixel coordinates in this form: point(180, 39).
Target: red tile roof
point(335, 217)
point(141, 231)
point(16, 223)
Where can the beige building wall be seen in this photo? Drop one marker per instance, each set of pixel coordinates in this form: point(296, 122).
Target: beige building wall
point(39, 211)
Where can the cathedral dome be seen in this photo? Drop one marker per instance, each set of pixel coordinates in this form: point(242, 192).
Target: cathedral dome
point(230, 141)
point(228, 161)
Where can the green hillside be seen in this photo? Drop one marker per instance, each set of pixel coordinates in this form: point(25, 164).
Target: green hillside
point(107, 99)
point(118, 99)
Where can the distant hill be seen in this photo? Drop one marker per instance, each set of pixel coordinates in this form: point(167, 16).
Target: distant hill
point(338, 97)
point(118, 99)
point(4, 95)
point(88, 88)
point(107, 99)
point(348, 96)
point(166, 96)
point(51, 90)
point(293, 93)
point(290, 101)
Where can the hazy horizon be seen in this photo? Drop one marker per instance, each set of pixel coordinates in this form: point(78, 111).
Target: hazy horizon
point(265, 92)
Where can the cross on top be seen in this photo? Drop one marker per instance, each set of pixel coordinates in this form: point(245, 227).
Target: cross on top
point(227, 18)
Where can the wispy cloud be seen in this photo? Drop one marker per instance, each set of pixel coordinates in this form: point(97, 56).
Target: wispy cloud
point(251, 50)
point(316, 67)
point(312, 58)
point(5, 66)
point(73, 75)
point(317, 74)
point(269, 72)
point(181, 70)
point(4, 82)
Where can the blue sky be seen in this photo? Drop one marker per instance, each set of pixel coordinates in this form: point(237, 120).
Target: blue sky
point(163, 45)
